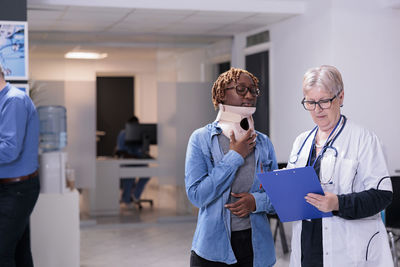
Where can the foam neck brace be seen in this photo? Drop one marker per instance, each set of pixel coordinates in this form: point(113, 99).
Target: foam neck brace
point(235, 119)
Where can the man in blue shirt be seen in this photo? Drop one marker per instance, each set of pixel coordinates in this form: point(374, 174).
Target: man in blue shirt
point(222, 160)
point(19, 183)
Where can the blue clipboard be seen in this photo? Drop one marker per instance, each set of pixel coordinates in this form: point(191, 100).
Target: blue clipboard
point(287, 189)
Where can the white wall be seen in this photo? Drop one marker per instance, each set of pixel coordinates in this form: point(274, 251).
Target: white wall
point(193, 65)
point(184, 102)
point(362, 39)
point(78, 90)
point(183, 107)
point(367, 41)
point(79, 96)
point(297, 44)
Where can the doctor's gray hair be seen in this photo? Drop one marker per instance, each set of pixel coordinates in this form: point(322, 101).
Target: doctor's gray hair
point(327, 77)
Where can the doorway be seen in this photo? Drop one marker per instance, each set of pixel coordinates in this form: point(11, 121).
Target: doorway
point(224, 66)
point(115, 105)
point(258, 64)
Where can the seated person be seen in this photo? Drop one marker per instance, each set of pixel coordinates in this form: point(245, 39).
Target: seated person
point(131, 151)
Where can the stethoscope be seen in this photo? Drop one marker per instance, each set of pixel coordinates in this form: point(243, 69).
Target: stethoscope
point(293, 159)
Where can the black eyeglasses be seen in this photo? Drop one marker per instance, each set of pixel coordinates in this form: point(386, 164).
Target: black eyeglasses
point(242, 90)
point(323, 103)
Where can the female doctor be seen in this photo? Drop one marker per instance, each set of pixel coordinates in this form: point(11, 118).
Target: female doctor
point(350, 164)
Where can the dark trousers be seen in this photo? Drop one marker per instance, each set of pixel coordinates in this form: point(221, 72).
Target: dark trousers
point(130, 183)
point(242, 247)
point(16, 204)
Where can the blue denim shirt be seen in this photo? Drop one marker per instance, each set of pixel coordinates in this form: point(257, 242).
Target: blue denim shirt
point(209, 175)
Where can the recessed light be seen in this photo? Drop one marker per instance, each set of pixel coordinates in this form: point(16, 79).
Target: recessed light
point(85, 55)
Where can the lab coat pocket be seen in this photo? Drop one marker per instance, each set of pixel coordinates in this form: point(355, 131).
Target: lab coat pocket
point(364, 236)
point(345, 172)
point(373, 249)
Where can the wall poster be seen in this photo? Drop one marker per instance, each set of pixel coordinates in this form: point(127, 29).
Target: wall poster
point(14, 49)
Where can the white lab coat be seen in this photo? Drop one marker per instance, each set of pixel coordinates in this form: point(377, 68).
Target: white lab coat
point(360, 165)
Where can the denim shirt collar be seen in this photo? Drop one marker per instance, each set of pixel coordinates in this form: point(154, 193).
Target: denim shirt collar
point(215, 129)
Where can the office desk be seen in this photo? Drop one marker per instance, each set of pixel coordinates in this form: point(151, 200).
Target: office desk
point(105, 196)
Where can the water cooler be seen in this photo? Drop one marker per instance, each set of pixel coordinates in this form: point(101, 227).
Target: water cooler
point(52, 154)
point(55, 234)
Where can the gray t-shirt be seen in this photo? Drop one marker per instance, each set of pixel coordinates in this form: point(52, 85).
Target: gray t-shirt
point(244, 179)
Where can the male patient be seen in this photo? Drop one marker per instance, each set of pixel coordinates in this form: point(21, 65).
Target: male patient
point(19, 182)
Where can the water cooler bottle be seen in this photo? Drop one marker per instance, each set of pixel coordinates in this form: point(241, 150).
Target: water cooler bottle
point(52, 157)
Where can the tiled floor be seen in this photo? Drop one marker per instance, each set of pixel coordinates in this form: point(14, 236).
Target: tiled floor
point(146, 238)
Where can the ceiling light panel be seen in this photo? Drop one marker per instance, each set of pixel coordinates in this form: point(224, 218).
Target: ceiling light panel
point(233, 29)
point(34, 15)
point(263, 19)
point(93, 16)
point(134, 28)
point(39, 26)
point(219, 17)
point(152, 19)
point(164, 12)
point(79, 27)
point(85, 55)
point(181, 29)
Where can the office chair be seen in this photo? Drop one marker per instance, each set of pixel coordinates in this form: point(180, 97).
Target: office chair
point(138, 202)
point(392, 219)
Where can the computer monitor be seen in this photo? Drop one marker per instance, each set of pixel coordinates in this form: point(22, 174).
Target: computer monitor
point(141, 134)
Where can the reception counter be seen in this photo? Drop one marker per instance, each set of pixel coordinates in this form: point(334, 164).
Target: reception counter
point(104, 197)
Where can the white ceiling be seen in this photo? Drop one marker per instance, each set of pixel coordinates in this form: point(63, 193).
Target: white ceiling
point(141, 24)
